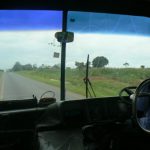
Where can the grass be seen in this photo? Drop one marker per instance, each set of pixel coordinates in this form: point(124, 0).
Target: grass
point(105, 81)
point(43, 75)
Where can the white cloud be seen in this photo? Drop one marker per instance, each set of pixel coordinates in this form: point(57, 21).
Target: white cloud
point(27, 47)
point(32, 47)
point(117, 48)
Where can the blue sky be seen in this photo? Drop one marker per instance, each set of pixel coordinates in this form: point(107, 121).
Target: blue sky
point(77, 22)
point(26, 36)
point(30, 20)
point(108, 23)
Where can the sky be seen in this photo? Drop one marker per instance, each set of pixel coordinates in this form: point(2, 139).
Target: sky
point(118, 48)
point(29, 20)
point(38, 47)
point(26, 47)
point(29, 37)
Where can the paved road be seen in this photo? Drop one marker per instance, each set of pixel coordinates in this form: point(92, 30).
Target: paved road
point(14, 86)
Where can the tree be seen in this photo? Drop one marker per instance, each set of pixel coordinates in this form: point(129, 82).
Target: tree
point(100, 61)
point(34, 66)
point(56, 66)
point(27, 67)
point(17, 67)
point(126, 64)
point(142, 66)
point(79, 65)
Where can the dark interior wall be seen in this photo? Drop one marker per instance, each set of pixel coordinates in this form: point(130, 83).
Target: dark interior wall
point(134, 7)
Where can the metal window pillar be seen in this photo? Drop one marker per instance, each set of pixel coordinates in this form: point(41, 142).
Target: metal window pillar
point(63, 57)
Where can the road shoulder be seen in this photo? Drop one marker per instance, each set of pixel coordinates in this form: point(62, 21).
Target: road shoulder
point(1, 85)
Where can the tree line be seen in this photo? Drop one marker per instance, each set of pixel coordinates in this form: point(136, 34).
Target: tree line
point(98, 62)
point(19, 67)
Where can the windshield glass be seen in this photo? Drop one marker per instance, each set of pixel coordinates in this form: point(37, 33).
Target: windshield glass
point(117, 45)
point(118, 48)
point(27, 47)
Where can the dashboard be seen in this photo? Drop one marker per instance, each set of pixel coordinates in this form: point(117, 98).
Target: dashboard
point(77, 113)
point(16, 115)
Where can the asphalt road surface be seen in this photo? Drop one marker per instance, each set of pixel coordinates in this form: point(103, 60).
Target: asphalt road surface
point(17, 87)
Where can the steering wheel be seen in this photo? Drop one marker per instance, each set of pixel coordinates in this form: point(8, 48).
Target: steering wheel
point(46, 100)
point(129, 90)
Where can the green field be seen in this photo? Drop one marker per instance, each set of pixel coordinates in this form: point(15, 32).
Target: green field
point(105, 81)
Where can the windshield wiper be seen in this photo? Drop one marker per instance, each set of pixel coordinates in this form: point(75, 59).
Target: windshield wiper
point(89, 88)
